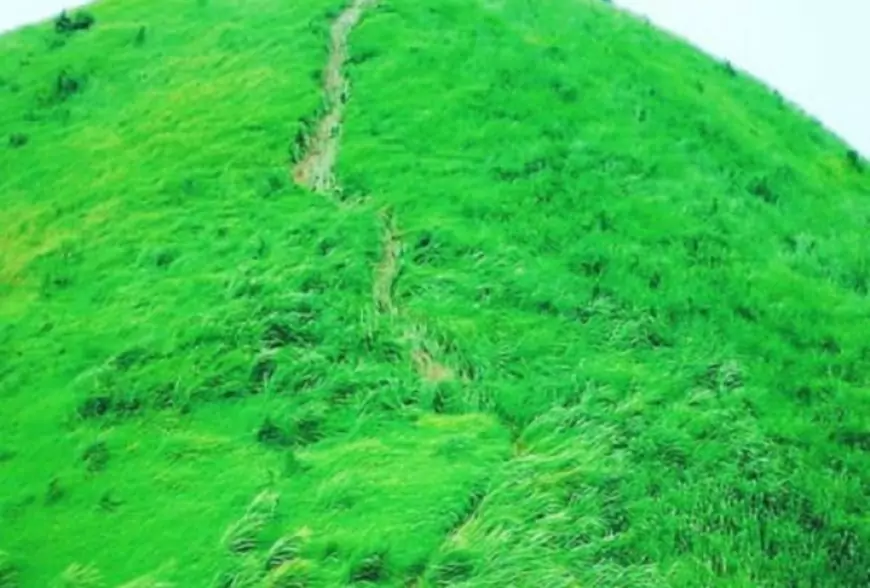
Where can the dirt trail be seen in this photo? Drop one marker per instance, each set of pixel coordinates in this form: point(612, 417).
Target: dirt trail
point(429, 368)
point(316, 169)
point(387, 270)
point(386, 275)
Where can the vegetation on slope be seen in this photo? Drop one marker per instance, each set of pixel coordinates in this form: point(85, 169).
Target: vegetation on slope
point(576, 305)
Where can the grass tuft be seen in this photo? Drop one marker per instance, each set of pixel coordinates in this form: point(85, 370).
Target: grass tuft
point(8, 571)
point(81, 576)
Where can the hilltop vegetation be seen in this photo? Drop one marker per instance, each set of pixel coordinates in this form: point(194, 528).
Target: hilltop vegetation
point(521, 293)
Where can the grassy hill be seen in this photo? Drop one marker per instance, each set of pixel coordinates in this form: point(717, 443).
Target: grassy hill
point(408, 293)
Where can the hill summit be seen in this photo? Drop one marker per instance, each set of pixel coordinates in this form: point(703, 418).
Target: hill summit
point(421, 293)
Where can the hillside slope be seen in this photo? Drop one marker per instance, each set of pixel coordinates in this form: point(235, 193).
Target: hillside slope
point(410, 293)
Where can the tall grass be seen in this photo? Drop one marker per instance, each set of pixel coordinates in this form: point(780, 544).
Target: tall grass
point(588, 308)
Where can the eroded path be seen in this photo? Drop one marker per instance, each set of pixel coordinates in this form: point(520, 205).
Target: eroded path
point(387, 270)
point(316, 171)
point(316, 168)
point(422, 355)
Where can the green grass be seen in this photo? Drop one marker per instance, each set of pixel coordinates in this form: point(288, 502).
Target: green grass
point(643, 278)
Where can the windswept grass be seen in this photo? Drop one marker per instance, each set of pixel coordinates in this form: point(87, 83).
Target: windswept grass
point(580, 306)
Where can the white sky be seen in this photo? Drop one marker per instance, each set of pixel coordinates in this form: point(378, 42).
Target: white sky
point(815, 52)
point(14, 13)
